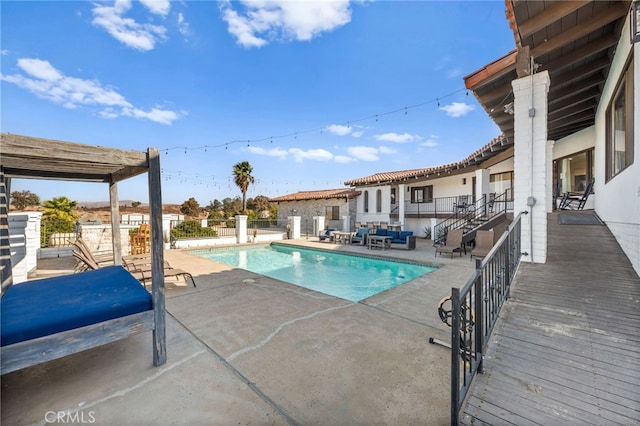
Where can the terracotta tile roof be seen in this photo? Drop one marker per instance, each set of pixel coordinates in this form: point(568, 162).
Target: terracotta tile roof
point(497, 145)
point(318, 195)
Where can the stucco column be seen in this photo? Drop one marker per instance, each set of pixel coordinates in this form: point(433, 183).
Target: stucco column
point(294, 221)
point(241, 229)
point(318, 225)
point(532, 155)
point(401, 196)
point(346, 223)
point(482, 184)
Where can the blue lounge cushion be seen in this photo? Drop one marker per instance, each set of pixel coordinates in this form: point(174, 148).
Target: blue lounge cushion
point(52, 305)
point(361, 232)
point(381, 232)
point(404, 234)
point(393, 234)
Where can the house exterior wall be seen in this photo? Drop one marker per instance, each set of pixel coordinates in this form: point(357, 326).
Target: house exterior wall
point(618, 200)
point(372, 215)
point(307, 209)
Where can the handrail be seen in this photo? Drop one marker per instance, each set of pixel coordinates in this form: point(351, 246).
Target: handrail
point(475, 309)
point(481, 208)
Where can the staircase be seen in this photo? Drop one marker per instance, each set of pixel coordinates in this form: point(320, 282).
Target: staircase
point(478, 216)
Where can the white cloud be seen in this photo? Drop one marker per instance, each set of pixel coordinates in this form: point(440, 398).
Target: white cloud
point(4, 52)
point(272, 152)
point(338, 129)
point(396, 137)
point(457, 109)
point(261, 22)
point(386, 150)
point(183, 26)
point(357, 134)
point(454, 73)
point(317, 154)
point(431, 142)
point(364, 153)
point(158, 7)
point(126, 30)
point(46, 82)
point(343, 159)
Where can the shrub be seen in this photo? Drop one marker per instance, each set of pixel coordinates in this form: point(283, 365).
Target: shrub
point(191, 229)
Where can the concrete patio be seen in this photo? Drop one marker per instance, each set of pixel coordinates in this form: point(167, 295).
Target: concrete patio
point(246, 349)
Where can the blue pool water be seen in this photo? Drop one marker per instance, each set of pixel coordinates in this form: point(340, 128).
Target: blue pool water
point(349, 277)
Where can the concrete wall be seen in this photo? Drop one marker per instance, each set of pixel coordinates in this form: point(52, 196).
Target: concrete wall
point(618, 200)
point(98, 237)
point(24, 239)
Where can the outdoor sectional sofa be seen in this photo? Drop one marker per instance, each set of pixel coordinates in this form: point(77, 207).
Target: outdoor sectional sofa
point(399, 239)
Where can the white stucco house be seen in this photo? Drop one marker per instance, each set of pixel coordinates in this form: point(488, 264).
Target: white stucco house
point(567, 98)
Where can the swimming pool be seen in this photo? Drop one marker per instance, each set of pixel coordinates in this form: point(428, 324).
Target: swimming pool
point(346, 276)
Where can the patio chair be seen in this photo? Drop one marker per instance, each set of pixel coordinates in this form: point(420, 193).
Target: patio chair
point(461, 204)
point(453, 243)
point(567, 201)
point(360, 237)
point(484, 244)
point(327, 235)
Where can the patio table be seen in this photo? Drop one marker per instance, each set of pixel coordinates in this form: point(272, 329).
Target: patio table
point(342, 237)
point(378, 241)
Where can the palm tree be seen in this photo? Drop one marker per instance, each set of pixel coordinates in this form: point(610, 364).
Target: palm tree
point(60, 208)
point(242, 177)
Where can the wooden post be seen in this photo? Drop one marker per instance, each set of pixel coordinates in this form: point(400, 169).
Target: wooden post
point(116, 240)
point(157, 259)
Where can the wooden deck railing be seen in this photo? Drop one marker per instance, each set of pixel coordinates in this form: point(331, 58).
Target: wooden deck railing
point(475, 308)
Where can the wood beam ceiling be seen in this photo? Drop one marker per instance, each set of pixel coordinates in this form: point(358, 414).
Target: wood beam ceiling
point(553, 13)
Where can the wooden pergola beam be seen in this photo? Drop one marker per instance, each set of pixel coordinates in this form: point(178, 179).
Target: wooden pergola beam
point(552, 13)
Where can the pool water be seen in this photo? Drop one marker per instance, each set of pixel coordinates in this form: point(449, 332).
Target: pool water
point(346, 276)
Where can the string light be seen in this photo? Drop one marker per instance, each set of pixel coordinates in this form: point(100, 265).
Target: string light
point(295, 134)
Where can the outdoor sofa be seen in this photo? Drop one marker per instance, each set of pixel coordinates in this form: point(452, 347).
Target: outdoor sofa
point(399, 239)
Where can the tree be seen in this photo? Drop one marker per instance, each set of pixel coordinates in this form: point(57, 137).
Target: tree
point(190, 208)
point(242, 178)
point(232, 206)
point(22, 199)
point(60, 209)
point(259, 204)
point(136, 204)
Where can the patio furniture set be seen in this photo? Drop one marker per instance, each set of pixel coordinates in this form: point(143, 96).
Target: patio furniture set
point(380, 238)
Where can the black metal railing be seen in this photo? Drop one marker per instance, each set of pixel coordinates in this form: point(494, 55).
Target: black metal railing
point(465, 214)
point(435, 206)
point(257, 227)
point(57, 233)
point(475, 309)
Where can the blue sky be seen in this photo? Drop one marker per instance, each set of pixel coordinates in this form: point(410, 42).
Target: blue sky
point(311, 93)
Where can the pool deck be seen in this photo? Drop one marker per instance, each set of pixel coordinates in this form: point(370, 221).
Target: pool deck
point(247, 349)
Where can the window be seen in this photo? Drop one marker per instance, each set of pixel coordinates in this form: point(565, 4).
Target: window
point(393, 196)
point(332, 213)
point(366, 201)
point(573, 173)
point(422, 194)
point(378, 201)
point(619, 125)
point(500, 182)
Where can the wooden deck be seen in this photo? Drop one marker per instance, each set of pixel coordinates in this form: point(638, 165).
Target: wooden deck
point(566, 349)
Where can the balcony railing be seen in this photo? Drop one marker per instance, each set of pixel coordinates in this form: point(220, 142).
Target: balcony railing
point(475, 308)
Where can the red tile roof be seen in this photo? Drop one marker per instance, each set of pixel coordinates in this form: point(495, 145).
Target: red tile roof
point(497, 145)
point(318, 195)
